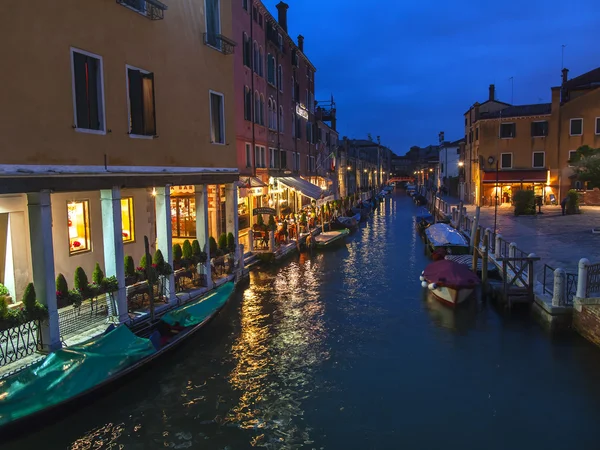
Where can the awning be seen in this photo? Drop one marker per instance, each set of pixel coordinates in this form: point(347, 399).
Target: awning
point(251, 182)
point(305, 188)
point(516, 176)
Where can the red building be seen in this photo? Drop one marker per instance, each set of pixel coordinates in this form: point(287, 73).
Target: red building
point(276, 130)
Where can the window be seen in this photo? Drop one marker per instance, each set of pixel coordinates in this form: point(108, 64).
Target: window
point(294, 167)
point(260, 20)
point(213, 23)
point(247, 50)
point(309, 136)
point(298, 127)
point(259, 156)
point(245, 4)
point(274, 116)
point(307, 101)
point(297, 161)
point(261, 116)
point(270, 115)
point(271, 69)
point(280, 78)
point(78, 222)
point(138, 5)
point(477, 133)
point(506, 160)
point(127, 219)
point(260, 62)
point(140, 87)
point(294, 126)
point(539, 129)
point(183, 217)
point(293, 88)
point(572, 154)
point(576, 127)
point(507, 130)
point(255, 13)
point(88, 92)
point(272, 157)
point(280, 41)
point(248, 155)
point(217, 118)
point(256, 57)
point(283, 158)
point(281, 119)
point(247, 103)
point(312, 163)
point(539, 160)
point(263, 159)
point(597, 125)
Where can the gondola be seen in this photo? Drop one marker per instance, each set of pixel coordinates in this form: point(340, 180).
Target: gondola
point(49, 389)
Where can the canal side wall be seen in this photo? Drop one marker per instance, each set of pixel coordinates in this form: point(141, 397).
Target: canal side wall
point(586, 318)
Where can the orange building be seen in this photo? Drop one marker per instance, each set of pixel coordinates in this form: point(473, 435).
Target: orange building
point(109, 108)
point(512, 147)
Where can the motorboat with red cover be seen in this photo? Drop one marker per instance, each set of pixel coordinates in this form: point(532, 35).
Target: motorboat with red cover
point(450, 282)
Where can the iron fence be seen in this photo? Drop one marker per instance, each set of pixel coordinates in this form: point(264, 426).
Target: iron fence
point(90, 314)
point(548, 282)
point(593, 279)
point(19, 342)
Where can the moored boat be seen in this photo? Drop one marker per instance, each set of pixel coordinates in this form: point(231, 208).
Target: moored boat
point(51, 387)
point(442, 235)
point(328, 239)
point(346, 222)
point(450, 282)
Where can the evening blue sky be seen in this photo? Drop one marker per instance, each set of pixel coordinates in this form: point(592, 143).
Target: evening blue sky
point(406, 70)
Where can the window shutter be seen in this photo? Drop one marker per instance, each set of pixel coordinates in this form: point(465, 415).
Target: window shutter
point(81, 94)
point(149, 104)
point(136, 102)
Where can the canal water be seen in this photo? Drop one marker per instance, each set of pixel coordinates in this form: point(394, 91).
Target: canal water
point(341, 350)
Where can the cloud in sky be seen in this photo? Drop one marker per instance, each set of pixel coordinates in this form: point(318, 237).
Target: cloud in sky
point(407, 70)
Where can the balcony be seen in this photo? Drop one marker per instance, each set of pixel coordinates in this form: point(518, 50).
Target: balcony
point(219, 42)
point(152, 9)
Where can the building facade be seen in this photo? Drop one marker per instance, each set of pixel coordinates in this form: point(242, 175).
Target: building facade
point(530, 144)
point(448, 166)
point(364, 165)
point(127, 123)
point(278, 139)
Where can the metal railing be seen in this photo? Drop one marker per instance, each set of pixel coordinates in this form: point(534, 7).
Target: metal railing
point(152, 9)
point(20, 341)
point(219, 42)
point(593, 279)
point(548, 283)
point(91, 313)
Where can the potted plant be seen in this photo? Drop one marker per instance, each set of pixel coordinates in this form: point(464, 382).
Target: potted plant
point(62, 291)
point(196, 250)
point(187, 259)
point(80, 282)
point(524, 202)
point(572, 202)
point(130, 274)
point(212, 245)
point(222, 244)
point(33, 309)
point(231, 242)
point(177, 255)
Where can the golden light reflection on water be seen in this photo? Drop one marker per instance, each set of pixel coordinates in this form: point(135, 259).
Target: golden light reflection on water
point(280, 344)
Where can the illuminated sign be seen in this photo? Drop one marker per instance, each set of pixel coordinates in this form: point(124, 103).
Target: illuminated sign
point(301, 111)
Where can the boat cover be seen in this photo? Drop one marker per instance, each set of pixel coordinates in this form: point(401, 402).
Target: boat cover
point(330, 236)
point(441, 234)
point(467, 260)
point(450, 274)
point(69, 372)
point(197, 312)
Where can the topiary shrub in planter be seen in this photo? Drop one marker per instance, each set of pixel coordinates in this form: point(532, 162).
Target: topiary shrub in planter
point(212, 245)
point(98, 275)
point(158, 261)
point(129, 266)
point(33, 310)
point(524, 202)
point(230, 243)
point(196, 250)
point(260, 221)
point(272, 225)
point(62, 291)
point(572, 202)
point(80, 281)
point(187, 252)
point(177, 252)
point(222, 244)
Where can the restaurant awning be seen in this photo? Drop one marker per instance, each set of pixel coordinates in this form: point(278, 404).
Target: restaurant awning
point(516, 176)
point(251, 182)
point(304, 187)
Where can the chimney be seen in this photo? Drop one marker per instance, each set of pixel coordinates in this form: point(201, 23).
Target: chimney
point(301, 43)
point(565, 75)
point(282, 15)
point(492, 92)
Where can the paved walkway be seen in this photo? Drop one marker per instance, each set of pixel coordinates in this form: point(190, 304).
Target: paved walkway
point(561, 241)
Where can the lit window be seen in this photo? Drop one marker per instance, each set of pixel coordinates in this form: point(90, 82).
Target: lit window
point(127, 219)
point(78, 219)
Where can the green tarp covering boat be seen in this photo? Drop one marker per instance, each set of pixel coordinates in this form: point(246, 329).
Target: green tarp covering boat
point(195, 313)
point(74, 372)
point(69, 372)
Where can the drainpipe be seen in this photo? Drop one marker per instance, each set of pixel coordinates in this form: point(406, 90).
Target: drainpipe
point(253, 150)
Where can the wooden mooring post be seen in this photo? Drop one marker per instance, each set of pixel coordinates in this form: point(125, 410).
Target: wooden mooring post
point(475, 249)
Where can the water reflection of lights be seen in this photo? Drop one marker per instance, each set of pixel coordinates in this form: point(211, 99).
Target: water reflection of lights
point(280, 344)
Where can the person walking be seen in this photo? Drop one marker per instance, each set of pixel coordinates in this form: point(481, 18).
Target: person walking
point(563, 205)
